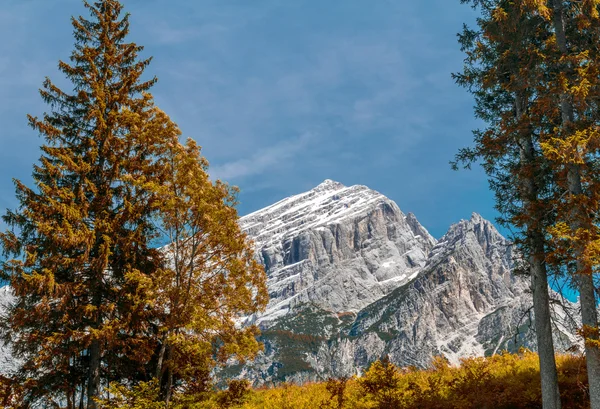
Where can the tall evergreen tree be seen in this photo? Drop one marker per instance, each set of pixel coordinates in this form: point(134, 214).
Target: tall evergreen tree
point(570, 100)
point(78, 246)
point(503, 70)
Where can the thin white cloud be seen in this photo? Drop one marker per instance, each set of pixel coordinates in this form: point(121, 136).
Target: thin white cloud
point(264, 160)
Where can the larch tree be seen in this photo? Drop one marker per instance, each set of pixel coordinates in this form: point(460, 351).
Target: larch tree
point(570, 100)
point(503, 68)
point(78, 253)
point(210, 278)
point(94, 302)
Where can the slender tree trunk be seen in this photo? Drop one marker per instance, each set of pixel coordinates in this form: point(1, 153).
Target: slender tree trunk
point(71, 399)
point(539, 278)
point(543, 326)
point(93, 381)
point(587, 299)
point(166, 378)
point(81, 398)
point(583, 278)
point(161, 356)
point(169, 386)
point(94, 375)
point(589, 318)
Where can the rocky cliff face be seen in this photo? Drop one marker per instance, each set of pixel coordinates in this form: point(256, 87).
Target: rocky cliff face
point(418, 298)
point(467, 276)
point(339, 248)
point(464, 302)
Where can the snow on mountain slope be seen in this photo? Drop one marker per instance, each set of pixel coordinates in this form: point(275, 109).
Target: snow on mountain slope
point(467, 277)
point(340, 248)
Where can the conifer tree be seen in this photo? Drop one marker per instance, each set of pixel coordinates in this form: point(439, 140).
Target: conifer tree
point(503, 69)
point(78, 250)
point(569, 100)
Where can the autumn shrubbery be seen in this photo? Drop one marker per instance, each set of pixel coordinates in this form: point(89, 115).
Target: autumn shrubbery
point(505, 381)
point(509, 381)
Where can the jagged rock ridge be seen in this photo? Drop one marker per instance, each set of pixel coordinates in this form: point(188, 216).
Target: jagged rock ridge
point(339, 248)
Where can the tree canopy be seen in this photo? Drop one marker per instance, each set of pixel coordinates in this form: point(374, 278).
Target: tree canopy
point(93, 296)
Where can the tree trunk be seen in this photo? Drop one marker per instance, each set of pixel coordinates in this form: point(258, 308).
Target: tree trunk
point(583, 278)
point(166, 377)
point(161, 356)
point(587, 299)
point(169, 388)
point(95, 358)
point(70, 399)
point(539, 278)
point(589, 318)
point(94, 375)
point(81, 398)
point(543, 328)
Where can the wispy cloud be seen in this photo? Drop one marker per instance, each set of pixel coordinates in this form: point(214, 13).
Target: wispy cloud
point(346, 90)
point(264, 160)
point(280, 94)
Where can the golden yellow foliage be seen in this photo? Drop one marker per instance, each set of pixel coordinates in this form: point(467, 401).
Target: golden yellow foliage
point(209, 278)
point(504, 381)
point(509, 381)
point(141, 396)
point(95, 300)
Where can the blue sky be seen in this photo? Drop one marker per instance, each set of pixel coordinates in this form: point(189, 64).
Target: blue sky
point(281, 94)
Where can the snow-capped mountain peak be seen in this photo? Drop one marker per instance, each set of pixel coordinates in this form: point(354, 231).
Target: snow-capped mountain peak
point(328, 202)
point(335, 246)
point(328, 184)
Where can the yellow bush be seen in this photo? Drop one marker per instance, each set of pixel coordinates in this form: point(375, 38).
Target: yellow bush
point(504, 381)
point(142, 396)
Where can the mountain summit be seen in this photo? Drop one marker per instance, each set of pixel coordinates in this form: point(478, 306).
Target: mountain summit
point(339, 248)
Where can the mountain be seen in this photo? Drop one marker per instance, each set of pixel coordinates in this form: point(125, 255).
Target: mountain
point(336, 247)
point(7, 363)
point(353, 279)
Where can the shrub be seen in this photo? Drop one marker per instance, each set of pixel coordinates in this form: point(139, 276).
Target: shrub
point(336, 389)
point(144, 395)
point(504, 381)
point(381, 383)
point(236, 393)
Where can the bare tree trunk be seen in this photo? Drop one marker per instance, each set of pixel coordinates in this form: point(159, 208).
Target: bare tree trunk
point(587, 300)
point(81, 398)
point(71, 399)
point(169, 388)
point(94, 375)
point(539, 277)
point(543, 326)
point(93, 381)
point(583, 278)
point(166, 377)
point(161, 356)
